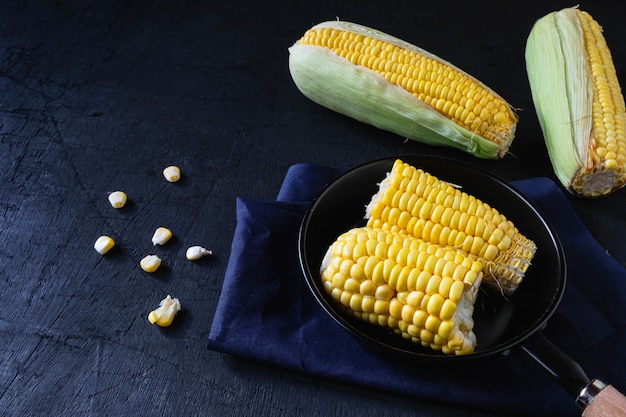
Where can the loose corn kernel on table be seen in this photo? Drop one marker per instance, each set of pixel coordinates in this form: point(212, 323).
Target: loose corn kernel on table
point(103, 97)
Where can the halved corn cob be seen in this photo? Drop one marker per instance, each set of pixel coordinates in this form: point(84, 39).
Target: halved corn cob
point(393, 85)
point(579, 102)
point(414, 202)
point(422, 291)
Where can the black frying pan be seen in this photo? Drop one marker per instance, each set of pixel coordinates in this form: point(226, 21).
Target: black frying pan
point(499, 324)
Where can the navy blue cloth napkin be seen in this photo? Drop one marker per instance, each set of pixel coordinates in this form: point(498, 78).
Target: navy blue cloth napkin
point(266, 313)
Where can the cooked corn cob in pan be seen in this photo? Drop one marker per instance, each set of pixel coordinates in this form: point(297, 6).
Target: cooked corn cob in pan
point(415, 202)
point(388, 83)
point(423, 291)
point(417, 265)
point(579, 102)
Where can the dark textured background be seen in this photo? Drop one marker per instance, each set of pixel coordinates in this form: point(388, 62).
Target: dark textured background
point(99, 96)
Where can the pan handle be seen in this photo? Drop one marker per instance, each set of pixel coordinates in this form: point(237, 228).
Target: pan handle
point(567, 372)
point(600, 400)
point(594, 397)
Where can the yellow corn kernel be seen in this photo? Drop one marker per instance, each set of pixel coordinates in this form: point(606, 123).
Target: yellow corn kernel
point(335, 292)
point(435, 303)
point(367, 304)
point(472, 226)
point(150, 263)
point(165, 313)
point(414, 299)
point(103, 244)
point(171, 173)
point(448, 308)
point(161, 236)
point(381, 307)
point(361, 73)
point(345, 297)
point(118, 199)
point(194, 253)
point(579, 102)
point(445, 329)
point(356, 302)
point(384, 292)
point(368, 287)
point(351, 285)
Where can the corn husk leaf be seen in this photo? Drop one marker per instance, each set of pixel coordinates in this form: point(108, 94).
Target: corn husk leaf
point(560, 78)
point(364, 95)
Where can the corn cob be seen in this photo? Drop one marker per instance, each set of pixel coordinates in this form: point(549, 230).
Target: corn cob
point(578, 101)
point(424, 292)
point(413, 202)
point(393, 85)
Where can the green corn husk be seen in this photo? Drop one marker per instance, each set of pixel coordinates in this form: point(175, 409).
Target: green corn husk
point(562, 86)
point(361, 93)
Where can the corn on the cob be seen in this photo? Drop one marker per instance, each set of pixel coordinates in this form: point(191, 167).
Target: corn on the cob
point(578, 101)
point(393, 85)
point(417, 203)
point(422, 291)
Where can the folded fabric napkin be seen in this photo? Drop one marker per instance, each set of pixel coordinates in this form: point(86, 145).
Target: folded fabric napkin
point(266, 312)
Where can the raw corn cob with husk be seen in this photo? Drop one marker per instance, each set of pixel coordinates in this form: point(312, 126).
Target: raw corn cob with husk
point(578, 101)
point(412, 201)
point(398, 87)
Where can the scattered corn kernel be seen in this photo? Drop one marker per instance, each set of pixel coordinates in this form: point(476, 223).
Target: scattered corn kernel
point(172, 173)
point(117, 199)
point(164, 315)
point(161, 235)
point(103, 244)
point(150, 263)
point(197, 252)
